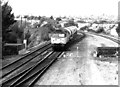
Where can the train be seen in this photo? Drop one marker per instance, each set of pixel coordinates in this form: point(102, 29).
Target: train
point(60, 37)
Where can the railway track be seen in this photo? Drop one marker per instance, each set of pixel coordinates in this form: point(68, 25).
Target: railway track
point(9, 68)
point(24, 71)
point(113, 39)
point(29, 76)
point(17, 64)
point(107, 37)
point(21, 58)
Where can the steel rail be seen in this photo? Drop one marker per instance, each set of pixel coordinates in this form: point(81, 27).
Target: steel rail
point(36, 78)
point(34, 72)
point(24, 69)
point(20, 63)
point(25, 56)
point(110, 38)
point(35, 75)
point(20, 75)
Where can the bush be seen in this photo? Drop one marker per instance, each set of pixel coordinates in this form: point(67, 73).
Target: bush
point(27, 36)
point(49, 27)
point(58, 19)
point(42, 33)
point(84, 28)
point(45, 30)
point(11, 37)
point(45, 33)
point(18, 31)
point(100, 30)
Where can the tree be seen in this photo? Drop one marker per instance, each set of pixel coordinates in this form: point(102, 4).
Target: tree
point(18, 16)
point(51, 17)
point(35, 17)
point(39, 17)
point(25, 16)
point(7, 19)
point(58, 19)
point(31, 18)
point(18, 30)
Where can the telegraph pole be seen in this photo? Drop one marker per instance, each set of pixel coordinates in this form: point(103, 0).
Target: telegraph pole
point(21, 20)
point(119, 11)
point(77, 51)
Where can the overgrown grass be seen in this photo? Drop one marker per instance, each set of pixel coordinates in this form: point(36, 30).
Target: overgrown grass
point(39, 35)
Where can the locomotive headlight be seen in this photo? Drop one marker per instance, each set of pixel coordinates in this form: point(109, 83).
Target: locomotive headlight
point(61, 35)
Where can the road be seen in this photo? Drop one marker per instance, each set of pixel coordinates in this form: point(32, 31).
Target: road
point(79, 67)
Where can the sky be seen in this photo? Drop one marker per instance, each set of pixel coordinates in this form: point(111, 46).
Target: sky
point(64, 7)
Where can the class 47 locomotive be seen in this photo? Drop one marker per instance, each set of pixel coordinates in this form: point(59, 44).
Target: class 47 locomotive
point(61, 36)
